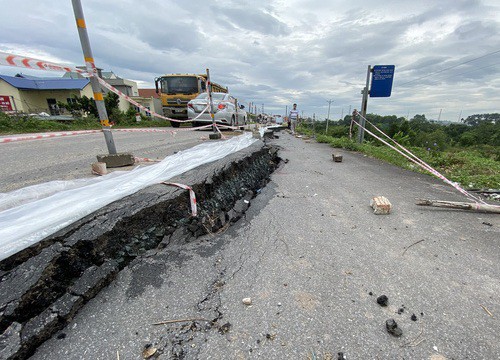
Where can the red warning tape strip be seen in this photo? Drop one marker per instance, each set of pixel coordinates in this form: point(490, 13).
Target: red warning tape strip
point(44, 136)
point(142, 159)
point(192, 196)
point(32, 63)
point(415, 159)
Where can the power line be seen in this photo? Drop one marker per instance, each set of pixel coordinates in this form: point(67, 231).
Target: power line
point(450, 67)
point(468, 72)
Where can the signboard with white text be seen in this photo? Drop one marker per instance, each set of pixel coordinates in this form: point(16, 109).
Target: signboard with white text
point(5, 104)
point(382, 76)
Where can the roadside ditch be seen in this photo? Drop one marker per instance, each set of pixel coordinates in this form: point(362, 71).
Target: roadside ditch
point(44, 286)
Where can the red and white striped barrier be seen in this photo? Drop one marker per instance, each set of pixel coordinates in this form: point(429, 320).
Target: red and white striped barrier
point(46, 135)
point(192, 196)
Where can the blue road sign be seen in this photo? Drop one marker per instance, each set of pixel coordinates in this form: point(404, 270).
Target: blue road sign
point(382, 77)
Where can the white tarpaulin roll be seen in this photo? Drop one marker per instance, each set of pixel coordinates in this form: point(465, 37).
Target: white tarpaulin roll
point(38, 214)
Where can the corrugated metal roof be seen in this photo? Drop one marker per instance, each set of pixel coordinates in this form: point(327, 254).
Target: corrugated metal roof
point(45, 84)
point(147, 93)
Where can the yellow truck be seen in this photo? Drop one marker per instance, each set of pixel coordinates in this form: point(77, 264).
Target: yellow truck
point(176, 90)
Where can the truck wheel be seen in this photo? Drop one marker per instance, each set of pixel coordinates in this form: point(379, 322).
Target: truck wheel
point(175, 124)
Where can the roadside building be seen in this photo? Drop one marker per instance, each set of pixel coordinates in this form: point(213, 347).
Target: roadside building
point(128, 87)
point(30, 94)
point(149, 99)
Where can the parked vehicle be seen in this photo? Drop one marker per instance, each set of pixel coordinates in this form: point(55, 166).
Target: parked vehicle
point(226, 109)
point(176, 90)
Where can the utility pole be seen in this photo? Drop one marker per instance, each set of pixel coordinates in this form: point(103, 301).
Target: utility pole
point(342, 116)
point(215, 135)
point(328, 116)
point(439, 116)
point(460, 115)
point(364, 104)
point(91, 69)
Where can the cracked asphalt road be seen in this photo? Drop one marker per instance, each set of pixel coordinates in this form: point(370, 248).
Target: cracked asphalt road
point(313, 258)
point(27, 163)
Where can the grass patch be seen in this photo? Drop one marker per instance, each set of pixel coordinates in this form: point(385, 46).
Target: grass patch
point(472, 168)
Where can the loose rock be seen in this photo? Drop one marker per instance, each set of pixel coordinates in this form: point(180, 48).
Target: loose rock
point(247, 301)
point(382, 300)
point(393, 328)
point(149, 351)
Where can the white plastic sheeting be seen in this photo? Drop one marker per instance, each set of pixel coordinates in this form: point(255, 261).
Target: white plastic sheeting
point(44, 209)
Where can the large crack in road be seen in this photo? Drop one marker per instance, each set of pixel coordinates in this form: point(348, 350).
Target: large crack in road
point(44, 286)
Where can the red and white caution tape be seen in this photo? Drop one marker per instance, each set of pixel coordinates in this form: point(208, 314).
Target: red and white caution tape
point(45, 136)
point(192, 196)
point(32, 63)
point(415, 159)
point(228, 127)
point(143, 130)
point(135, 103)
point(141, 159)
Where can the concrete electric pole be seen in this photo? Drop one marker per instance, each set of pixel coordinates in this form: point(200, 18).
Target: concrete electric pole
point(328, 116)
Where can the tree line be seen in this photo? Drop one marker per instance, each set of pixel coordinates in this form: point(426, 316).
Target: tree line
point(478, 129)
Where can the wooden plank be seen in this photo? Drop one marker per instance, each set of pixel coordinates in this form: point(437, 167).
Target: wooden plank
point(495, 209)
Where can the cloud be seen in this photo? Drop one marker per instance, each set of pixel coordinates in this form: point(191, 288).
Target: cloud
point(277, 52)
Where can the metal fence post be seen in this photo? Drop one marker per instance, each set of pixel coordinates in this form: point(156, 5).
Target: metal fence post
point(91, 68)
point(210, 102)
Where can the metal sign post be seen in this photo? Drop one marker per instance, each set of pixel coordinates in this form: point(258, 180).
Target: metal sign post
point(91, 69)
point(381, 86)
point(364, 104)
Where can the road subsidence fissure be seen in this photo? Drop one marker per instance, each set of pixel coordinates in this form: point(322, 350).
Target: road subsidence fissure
point(44, 286)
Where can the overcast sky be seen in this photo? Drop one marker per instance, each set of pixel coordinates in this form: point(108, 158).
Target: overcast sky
point(277, 52)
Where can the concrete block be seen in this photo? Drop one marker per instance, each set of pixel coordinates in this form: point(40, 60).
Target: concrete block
point(381, 205)
point(337, 157)
point(215, 136)
point(116, 160)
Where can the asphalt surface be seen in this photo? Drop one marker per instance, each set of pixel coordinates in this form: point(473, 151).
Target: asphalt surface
point(32, 162)
point(313, 258)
